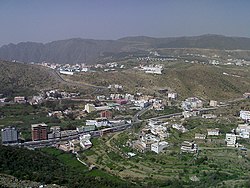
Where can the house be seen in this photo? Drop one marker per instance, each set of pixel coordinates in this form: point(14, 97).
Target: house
point(192, 103)
point(179, 128)
point(200, 136)
point(246, 95)
point(74, 146)
point(158, 106)
point(188, 114)
point(101, 97)
point(66, 72)
point(121, 101)
point(106, 114)
point(243, 130)
point(90, 108)
point(245, 115)
point(20, 100)
point(141, 103)
point(209, 116)
point(85, 142)
point(231, 140)
point(213, 132)
point(159, 146)
point(189, 147)
point(213, 103)
point(172, 96)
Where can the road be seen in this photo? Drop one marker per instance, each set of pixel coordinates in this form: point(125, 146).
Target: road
point(59, 78)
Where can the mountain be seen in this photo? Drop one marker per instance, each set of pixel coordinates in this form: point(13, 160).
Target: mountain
point(89, 51)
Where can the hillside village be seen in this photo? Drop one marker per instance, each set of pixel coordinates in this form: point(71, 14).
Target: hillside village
point(130, 125)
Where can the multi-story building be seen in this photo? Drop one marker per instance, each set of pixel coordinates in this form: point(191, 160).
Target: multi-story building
point(189, 147)
point(159, 146)
point(106, 114)
point(89, 108)
point(231, 139)
point(39, 131)
point(9, 135)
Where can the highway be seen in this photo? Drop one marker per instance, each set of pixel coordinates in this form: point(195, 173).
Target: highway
point(98, 133)
point(51, 142)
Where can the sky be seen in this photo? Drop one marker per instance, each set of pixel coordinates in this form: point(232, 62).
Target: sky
point(49, 20)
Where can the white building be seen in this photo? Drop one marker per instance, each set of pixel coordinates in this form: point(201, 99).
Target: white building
point(85, 142)
point(231, 140)
point(200, 136)
point(90, 108)
point(213, 132)
point(159, 146)
point(243, 130)
point(213, 103)
point(141, 103)
point(192, 103)
point(188, 114)
point(179, 128)
point(66, 72)
point(245, 115)
point(189, 147)
point(172, 96)
point(85, 69)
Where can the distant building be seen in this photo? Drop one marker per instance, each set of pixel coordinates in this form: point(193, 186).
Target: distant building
point(213, 132)
point(121, 101)
point(159, 146)
point(9, 135)
point(55, 132)
point(246, 95)
point(213, 103)
point(90, 108)
point(231, 140)
point(245, 115)
point(243, 130)
point(85, 142)
point(39, 131)
point(189, 147)
point(209, 116)
point(172, 96)
point(192, 103)
point(188, 114)
point(67, 72)
point(20, 100)
point(106, 114)
point(86, 128)
point(200, 136)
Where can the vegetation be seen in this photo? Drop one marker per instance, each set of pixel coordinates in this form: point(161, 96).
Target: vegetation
point(52, 166)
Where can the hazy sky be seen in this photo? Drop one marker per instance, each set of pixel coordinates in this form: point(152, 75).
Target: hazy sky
point(48, 20)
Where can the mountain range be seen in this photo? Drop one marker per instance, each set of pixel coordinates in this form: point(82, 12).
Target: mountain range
point(89, 51)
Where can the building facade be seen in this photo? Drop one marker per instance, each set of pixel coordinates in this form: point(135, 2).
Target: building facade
point(9, 135)
point(39, 131)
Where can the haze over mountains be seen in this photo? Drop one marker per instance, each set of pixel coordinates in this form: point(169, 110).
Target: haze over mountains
point(87, 51)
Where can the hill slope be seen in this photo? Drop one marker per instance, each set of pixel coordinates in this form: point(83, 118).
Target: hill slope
point(89, 51)
point(18, 78)
point(187, 79)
